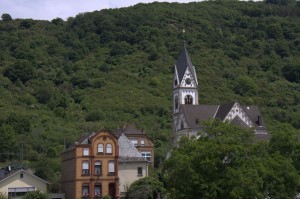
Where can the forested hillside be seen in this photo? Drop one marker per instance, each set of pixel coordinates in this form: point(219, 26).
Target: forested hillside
point(62, 79)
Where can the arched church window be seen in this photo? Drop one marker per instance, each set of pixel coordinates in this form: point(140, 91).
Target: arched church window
point(188, 99)
point(175, 82)
point(176, 102)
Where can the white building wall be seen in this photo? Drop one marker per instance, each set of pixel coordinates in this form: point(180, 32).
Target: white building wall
point(128, 173)
point(27, 181)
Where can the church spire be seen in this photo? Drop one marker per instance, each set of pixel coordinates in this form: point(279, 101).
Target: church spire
point(184, 62)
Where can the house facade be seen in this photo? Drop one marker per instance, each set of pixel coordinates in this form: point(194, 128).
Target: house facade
point(139, 139)
point(15, 184)
point(89, 167)
point(132, 166)
point(188, 114)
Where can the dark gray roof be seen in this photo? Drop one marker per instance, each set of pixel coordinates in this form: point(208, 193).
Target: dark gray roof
point(254, 113)
point(15, 172)
point(239, 122)
point(183, 62)
point(223, 110)
point(128, 152)
point(195, 114)
point(128, 130)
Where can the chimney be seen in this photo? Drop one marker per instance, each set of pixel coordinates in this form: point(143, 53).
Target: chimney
point(259, 122)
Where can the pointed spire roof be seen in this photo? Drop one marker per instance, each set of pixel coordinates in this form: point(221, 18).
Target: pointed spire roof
point(184, 62)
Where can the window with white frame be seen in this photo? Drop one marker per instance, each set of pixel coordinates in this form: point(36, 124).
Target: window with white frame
point(146, 155)
point(108, 148)
point(100, 148)
point(111, 167)
point(86, 151)
point(19, 191)
point(85, 168)
point(142, 142)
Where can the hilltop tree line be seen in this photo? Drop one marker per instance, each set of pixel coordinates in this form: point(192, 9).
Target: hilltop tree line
point(62, 79)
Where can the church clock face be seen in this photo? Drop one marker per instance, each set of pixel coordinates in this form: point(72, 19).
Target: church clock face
point(188, 81)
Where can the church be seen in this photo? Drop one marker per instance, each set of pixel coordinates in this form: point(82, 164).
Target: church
point(188, 114)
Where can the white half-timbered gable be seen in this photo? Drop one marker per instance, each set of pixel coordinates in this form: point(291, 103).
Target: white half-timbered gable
point(238, 111)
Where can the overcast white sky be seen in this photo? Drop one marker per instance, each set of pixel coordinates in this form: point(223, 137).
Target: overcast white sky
point(50, 9)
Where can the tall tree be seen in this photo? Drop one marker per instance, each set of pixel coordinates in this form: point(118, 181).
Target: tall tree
point(6, 17)
point(229, 164)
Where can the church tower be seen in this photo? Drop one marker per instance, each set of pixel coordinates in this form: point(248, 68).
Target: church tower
point(185, 89)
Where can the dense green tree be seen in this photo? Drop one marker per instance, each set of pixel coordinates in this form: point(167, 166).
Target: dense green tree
point(19, 123)
point(245, 85)
point(6, 17)
point(21, 70)
point(7, 141)
point(228, 164)
point(146, 188)
point(36, 195)
point(292, 72)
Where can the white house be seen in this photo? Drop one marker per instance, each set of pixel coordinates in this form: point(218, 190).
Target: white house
point(16, 184)
point(132, 166)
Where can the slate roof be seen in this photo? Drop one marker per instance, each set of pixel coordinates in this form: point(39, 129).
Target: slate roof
point(128, 152)
point(128, 130)
point(183, 62)
point(223, 110)
point(15, 172)
point(239, 122)
point(253, 112)
point(196, 114)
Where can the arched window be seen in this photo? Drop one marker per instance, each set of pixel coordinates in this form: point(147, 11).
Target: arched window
point(188, 99)
point(108, 148)
point(98, 168)
point(100, 148)
point(85, 168)
point(176, 102)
